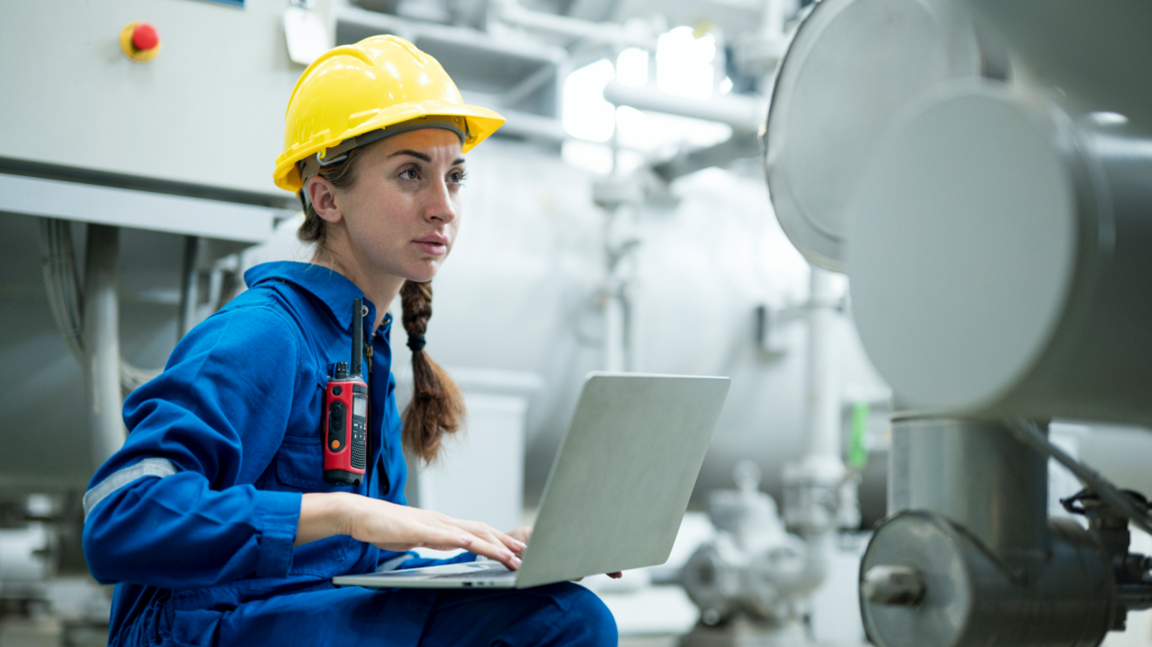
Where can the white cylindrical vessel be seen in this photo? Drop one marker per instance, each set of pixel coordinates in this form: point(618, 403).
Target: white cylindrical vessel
point(999, 260)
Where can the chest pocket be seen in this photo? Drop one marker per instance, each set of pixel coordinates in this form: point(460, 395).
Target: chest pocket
point(300, 466)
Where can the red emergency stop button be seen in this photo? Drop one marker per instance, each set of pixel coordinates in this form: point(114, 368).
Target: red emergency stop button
point(140, 41)
point(144, 36)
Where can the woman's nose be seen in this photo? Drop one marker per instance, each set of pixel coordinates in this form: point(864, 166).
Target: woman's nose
point(440, 203)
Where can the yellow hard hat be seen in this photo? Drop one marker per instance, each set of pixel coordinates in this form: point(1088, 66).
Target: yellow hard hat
point(379, 82)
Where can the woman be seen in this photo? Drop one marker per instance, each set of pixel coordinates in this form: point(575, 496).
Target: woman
point(215, 520)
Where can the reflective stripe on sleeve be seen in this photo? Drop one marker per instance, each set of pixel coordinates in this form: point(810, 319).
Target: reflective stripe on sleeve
point(394, 563)
point(160, 467)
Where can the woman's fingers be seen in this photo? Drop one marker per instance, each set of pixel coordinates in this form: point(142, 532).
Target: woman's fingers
point(479, 542)
point(491, 535)
point(522, 535)
point(494, 550)
point(398, 527)
point(617, 575)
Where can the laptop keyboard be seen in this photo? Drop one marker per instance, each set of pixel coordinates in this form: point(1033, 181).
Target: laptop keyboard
point(495, 571)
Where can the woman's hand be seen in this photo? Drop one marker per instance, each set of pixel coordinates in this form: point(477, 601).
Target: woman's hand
point(397, 527)
point(524, 533)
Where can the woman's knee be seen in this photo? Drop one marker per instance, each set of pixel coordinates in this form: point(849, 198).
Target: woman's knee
point(588, 622)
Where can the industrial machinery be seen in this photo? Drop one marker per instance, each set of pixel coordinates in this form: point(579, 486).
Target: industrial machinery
point(989, 203)
point(978, 172)
point(752, 581)
point(136, 188)
point(132, 175)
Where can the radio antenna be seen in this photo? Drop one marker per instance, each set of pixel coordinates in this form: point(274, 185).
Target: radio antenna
point(357, 338)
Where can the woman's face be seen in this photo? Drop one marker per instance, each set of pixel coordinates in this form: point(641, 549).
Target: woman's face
point(403, 210)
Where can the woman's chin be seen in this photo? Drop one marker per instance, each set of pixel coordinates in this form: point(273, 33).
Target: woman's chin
point(423, 272)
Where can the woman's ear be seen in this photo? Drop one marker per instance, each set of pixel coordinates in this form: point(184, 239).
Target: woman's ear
point(323, 196)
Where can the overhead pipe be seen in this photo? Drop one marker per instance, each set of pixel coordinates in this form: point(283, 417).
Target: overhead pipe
point(511, 13)
point(739, 146)
point(745, 114)
point(530, 126)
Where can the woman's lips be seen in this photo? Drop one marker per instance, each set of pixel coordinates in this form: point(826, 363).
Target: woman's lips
point(433, 245)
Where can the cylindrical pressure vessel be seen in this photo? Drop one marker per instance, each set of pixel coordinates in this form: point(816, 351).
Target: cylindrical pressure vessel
point(999, 259)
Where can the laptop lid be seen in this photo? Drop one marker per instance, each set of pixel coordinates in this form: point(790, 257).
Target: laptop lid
point(621, 480)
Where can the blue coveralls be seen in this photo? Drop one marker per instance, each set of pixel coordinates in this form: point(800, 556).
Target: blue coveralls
point(195, 517)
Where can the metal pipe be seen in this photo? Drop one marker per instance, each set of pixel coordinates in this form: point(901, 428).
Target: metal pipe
point(821, 546)
point(530, 126)
point(973, 597)
point(614, 331)
point(745, 114)
point(976, 474)
point(510, 12)
point(1031, 434)
point(968, 519)
point(635, 322)
point(823, 405)
point(738, 146)
point(62, 287)
point(189, 279)
point(102, 341)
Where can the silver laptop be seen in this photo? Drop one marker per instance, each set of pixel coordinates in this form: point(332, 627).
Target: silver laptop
point(617, 491)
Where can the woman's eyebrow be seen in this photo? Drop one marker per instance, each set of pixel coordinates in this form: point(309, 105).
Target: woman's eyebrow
point(421, 156)
point(408, 151)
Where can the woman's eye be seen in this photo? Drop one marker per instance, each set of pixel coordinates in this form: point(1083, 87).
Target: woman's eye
point(458, 177)
point(409, 174)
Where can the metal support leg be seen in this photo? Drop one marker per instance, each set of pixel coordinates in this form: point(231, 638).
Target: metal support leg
point(102, 341)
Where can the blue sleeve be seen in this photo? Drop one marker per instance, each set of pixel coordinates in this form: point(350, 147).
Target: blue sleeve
point(175, 508)
point(391, 560)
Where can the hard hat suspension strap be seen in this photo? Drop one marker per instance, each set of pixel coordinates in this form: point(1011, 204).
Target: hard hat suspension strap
point(311, 165)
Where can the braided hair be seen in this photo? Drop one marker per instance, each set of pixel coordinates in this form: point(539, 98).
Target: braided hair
point(437, 406)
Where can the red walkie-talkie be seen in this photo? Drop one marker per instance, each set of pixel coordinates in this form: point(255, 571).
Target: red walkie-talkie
point(346, 413)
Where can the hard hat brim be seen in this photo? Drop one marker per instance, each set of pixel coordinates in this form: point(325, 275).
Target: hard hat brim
point(482, 122)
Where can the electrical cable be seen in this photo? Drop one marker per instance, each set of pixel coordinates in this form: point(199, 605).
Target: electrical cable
point(61, 280)
point(1030, 434)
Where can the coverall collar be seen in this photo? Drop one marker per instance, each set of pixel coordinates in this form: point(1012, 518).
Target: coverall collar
point(330, 287)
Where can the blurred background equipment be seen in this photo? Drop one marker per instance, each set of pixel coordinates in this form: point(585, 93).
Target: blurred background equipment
point(961, 181)
point(993, 237)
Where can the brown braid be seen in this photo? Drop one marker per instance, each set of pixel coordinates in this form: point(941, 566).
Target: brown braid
point(437, 406)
